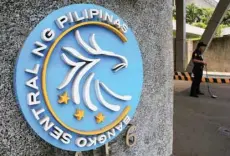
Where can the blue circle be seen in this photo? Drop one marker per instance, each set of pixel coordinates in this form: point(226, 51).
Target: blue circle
point(127, 81)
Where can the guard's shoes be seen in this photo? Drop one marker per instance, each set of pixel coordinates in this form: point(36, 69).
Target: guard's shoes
point(200, 93)
point(194, 96)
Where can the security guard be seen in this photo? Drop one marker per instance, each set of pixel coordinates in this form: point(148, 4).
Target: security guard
point(197, 59)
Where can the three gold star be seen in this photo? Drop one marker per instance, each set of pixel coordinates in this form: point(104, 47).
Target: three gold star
point(63, 98)
point(100, 118)
point(79, 114)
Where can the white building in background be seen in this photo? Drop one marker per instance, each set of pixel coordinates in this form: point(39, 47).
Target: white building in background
point(208, 4)
point(203, 3)
point(225, 31)
point(192, 31)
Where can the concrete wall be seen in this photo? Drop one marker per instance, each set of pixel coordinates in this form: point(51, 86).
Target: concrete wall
point(152, 24)
point(218, 54)
point(188, 55)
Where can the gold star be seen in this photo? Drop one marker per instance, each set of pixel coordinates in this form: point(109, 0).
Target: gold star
point(63, 98)
point(99, 118)
point(79, 114)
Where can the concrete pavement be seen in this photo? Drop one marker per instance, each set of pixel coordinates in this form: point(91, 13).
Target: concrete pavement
point(201, 125)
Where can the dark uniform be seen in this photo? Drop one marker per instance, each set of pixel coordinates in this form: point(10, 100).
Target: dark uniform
point(198, 72)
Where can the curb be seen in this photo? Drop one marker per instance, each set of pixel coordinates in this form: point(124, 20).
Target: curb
point(186, 76)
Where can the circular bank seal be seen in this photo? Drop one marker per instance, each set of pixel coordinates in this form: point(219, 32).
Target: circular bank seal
point(78, 77)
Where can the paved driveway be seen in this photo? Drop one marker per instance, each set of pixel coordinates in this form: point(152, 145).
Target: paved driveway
point(201, 125)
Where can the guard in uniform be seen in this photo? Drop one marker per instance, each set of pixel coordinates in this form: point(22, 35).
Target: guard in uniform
point(197, 59)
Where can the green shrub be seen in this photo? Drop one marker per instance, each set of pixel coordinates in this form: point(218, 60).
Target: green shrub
point(200, 25)
point(200, 17)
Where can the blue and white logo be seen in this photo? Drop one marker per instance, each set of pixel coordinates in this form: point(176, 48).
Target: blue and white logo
point(78, 78)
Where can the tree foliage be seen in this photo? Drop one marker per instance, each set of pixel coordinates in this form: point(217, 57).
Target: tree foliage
point(226, 19)
point(192, 14)
point(200, 17)
point(200, 24)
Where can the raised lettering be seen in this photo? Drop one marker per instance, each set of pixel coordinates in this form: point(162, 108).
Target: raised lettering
point(47, 35)
point(93, 12)
point(76, 17)
point(92, 141)
point(66, 138)
point(37, 113)
point(32, 83)
point(126, 120)
point(101, 138)
point(33, 71)
point(108, 18)
point(47, 123)
point(117, 23)
point(32, 98)
point(70, 17)
point(111, 133)
point(40, 48)
point(124, 28)
point(56, 133)
point(119, 126)
point(61, 21)
point(81, 142)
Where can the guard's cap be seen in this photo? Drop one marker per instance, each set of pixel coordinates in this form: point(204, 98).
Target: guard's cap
point(200, 44)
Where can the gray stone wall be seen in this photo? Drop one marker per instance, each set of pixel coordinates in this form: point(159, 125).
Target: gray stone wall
point(152, 24)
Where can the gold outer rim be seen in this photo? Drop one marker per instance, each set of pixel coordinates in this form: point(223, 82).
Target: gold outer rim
point(44, 69)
